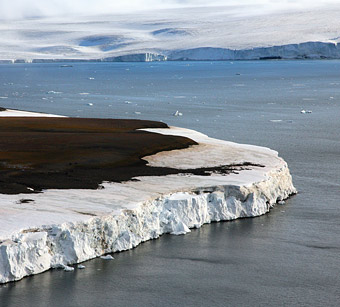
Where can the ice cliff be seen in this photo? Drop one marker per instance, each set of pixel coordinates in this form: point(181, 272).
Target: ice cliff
point(79, 225)
point(308, 50)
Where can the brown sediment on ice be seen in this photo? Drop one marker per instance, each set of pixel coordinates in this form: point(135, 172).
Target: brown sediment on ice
point(80, 153)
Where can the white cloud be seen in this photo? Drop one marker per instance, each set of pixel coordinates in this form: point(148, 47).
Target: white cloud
point(14, 9)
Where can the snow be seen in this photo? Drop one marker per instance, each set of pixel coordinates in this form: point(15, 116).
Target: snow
point(17, 113)
point(66, 227)
point(201, 33)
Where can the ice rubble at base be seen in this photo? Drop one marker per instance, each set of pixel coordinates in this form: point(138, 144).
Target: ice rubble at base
point(37, 250)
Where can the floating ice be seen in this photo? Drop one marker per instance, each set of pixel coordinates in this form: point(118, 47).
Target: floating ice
point(53, 92)
point(68, 268)
point(107, 257)
point(177, 113)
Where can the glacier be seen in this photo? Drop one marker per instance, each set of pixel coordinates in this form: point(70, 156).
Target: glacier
point(66, 227)
point(191, 33)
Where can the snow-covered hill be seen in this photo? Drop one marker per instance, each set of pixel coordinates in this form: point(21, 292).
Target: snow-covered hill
point(202, 33)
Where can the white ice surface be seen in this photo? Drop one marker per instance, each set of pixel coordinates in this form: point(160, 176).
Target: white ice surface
point(17, 113)
point(63, 227)
point(188, 33)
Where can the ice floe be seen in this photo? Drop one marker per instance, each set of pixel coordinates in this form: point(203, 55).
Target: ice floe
point(177, 113)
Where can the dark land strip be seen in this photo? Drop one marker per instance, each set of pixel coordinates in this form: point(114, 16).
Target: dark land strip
point(38, 153)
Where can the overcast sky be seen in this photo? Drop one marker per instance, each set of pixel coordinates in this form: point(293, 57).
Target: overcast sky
point(13, 9)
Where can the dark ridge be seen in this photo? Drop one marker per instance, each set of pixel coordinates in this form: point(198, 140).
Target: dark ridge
point(2, 109)
point(79, 153)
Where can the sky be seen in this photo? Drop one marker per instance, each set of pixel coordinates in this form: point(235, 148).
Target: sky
point(17, 9)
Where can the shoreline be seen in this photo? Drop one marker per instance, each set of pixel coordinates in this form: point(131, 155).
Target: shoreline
point(79, 225)
point(310, 50)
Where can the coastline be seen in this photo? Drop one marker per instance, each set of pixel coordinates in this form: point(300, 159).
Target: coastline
point(310, 50)
point(82, 224)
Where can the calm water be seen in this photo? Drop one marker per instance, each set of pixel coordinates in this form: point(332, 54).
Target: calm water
point(290, 257)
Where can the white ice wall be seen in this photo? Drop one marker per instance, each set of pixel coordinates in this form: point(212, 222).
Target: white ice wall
point(36, 250)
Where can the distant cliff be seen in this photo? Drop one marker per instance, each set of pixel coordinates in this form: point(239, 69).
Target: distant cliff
point(308, 50)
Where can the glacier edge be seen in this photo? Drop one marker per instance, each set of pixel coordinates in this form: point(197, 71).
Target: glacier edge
point(313, 50)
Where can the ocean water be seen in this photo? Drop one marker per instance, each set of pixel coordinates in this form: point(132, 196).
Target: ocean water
point(289, 257)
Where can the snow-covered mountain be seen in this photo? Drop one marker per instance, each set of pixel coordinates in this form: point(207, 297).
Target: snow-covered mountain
point(201, 33)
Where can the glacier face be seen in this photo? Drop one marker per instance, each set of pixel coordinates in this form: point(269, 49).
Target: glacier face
point(33, 251)
point(302, 51)
point(307, 50)
point(201, 33)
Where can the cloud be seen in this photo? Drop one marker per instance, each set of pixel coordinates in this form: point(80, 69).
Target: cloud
point(17, 9)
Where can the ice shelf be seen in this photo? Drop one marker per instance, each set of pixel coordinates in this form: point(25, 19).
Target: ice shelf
point(58, 228)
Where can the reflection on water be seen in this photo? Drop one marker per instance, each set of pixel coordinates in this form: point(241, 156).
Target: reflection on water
point(289, 257)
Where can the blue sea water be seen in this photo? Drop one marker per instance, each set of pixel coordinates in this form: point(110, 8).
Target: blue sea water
point(290, 257)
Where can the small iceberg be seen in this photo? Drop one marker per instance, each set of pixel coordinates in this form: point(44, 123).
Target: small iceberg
point(68, 269)
point(177, 113)
point(53, 92)
point(107, 257)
